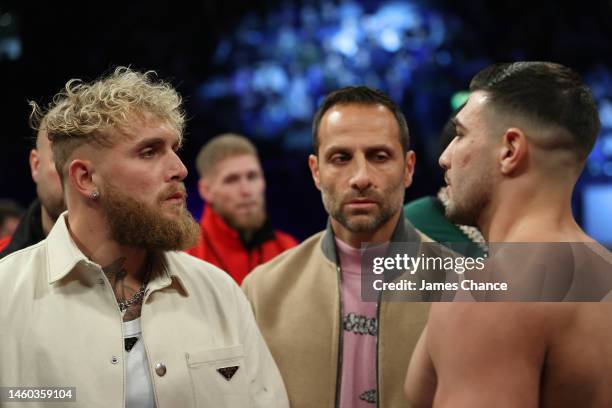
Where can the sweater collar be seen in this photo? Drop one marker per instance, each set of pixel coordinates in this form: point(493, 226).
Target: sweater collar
point(404, 232)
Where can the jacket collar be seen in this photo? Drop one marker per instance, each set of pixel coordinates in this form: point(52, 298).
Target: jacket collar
point(213, 224)
point(63, 256)
point(218, 231)
point(62, 253)
point(404, 232)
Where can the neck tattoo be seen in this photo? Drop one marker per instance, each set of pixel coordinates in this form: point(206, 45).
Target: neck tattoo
point(127, 298)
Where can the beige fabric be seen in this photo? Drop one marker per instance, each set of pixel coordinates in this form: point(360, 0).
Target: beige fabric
point(296, 302)
point(61, 326)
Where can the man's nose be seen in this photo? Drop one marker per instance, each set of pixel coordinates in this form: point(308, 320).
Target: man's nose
point(361, 178)
point(178, 169)
point(246, 186)
point(444, 160)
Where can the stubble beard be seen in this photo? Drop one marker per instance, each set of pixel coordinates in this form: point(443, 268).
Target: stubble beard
point(466, 210)
point(389, 203)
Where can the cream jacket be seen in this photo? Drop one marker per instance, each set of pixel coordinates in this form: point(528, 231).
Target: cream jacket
point(60, 326)
point(297, 302)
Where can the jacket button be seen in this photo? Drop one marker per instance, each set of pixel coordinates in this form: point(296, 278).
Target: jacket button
point(160, 369)
point(114, 360)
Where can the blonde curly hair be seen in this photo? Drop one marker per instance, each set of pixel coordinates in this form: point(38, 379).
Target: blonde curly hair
point(93, 113)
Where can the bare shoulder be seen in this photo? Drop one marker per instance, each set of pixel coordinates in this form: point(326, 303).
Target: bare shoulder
point(525, 323)
point(491, 354)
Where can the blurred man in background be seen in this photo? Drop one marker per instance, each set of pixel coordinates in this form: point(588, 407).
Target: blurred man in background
point(10, 215)
point(49, 204)
point(236, 233)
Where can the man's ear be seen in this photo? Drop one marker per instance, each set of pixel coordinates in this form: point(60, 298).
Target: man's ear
point(34, 164)
point(81, 176)
point(410, 163)
point(313, 163)
point(204, 189)
point(514, 151)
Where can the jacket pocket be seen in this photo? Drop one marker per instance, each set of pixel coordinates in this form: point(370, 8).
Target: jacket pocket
point(218, 377)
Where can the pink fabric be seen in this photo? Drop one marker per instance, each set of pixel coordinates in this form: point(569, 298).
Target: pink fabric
point(360, 328)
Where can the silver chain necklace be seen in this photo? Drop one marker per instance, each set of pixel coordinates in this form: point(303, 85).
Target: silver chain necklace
point(137, 298)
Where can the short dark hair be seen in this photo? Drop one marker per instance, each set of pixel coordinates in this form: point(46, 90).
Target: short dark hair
point(360, 95)
point(449, 131)
point(548, 93)
point(8, 209)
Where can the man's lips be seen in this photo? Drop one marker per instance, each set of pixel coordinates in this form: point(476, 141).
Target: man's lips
point(178, 196)
point(246, 206)
point(361, 203)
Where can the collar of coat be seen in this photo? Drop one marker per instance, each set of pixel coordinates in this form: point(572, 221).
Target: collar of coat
point(404, 240)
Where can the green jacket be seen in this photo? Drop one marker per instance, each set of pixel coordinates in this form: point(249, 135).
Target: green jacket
point(427, 214)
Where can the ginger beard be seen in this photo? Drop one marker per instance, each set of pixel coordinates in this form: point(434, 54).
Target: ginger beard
point(242, 219)
point(389, 203)
point(136, 224)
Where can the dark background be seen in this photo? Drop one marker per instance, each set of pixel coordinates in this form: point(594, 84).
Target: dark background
point(179, 40)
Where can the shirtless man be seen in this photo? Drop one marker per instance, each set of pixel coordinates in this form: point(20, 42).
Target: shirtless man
point(522, 141)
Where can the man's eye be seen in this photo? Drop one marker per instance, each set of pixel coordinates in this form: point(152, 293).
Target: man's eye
point(147, 153)
point(231, 179)
point(381, 157)
point(339, 158)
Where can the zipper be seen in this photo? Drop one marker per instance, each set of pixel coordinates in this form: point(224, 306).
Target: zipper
point(378, 304)
point(144, 343)
point(340, 338)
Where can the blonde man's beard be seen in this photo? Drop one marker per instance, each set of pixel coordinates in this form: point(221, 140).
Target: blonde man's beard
point(136, 224)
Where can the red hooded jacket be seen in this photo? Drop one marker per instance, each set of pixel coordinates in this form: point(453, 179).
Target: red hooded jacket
point(222, 246)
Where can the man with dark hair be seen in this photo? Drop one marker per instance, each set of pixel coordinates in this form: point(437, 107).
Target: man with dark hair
point(235, 231)
point(49, 204)
point(10, 214)
point(522, 141)
point(361, 95)
point(333, 348)
point(108, 303)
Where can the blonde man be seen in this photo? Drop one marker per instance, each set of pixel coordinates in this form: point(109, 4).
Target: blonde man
point(236, 234)
point(105, 303)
